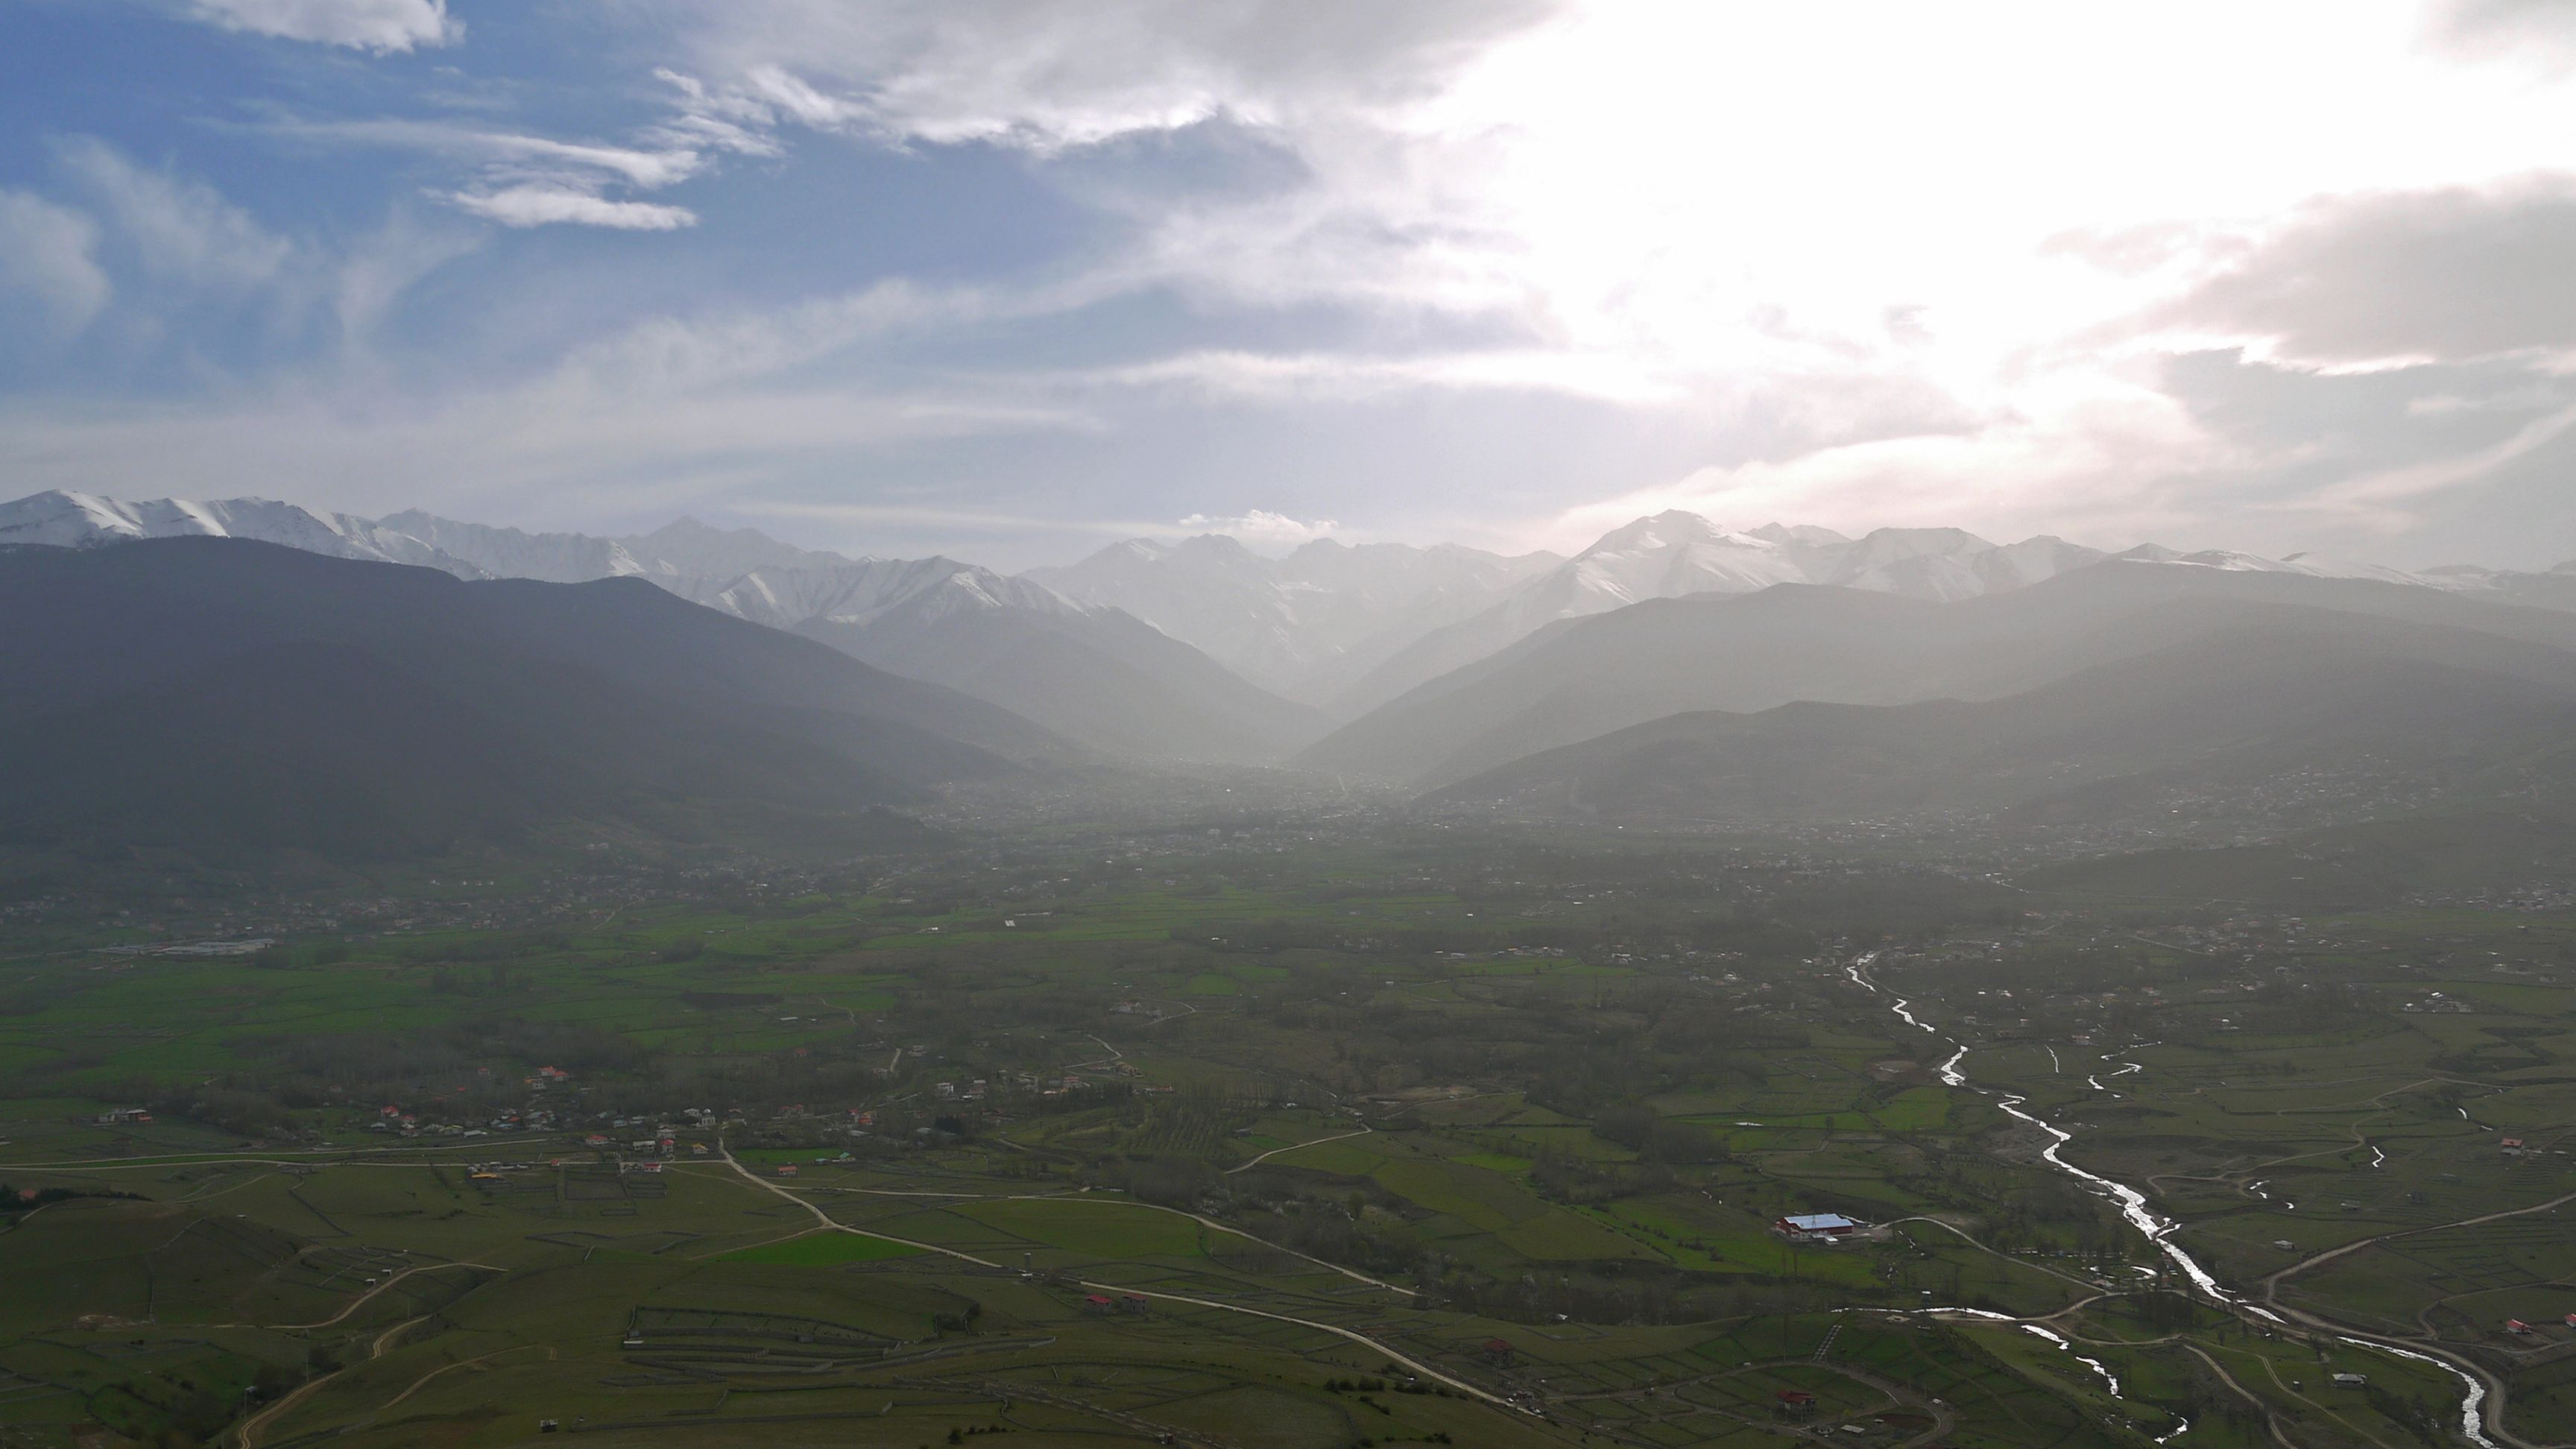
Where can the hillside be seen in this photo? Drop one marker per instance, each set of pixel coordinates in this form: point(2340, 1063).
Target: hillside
point(1094, 674)
point(219, 694)
point(1088, 671)
point(1578, 679)
point(2239, 720)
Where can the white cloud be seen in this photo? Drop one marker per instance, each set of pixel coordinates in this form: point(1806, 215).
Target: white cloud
point(2391, 499)
point(382, 26)
point(180, 230)
point(378, 269)
point(1044, 75)
point(644, 167)
point(2110, 463)
point(49, 253)
point(538, 205)
point(525, 180)
point(1263, 530)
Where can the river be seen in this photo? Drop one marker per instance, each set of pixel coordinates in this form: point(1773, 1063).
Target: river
point(2159, 1230)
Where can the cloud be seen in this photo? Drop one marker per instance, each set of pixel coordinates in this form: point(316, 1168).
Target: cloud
point(536, 205)
point(2115, 463)
point(527, 180)
point(645, 167)
point(2391, 499)
point(385, 27)
point(2542, 31)
point(2450, 273)
point(1043, 75)
point(1262, 530)
point(49, 254)
point(378, 269)
point(180, 230)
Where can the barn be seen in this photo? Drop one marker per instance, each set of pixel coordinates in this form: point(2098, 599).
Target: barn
point(1816, 1226)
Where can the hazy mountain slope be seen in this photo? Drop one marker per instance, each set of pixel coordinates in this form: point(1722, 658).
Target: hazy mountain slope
point(1676, 554)
point(1754, 652)
point(2301, 693)
point(1093, 674)
point(1302, 625)
point(1096, 676)
point(219, 693)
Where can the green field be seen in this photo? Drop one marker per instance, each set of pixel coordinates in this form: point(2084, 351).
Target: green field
point(1304, 1121)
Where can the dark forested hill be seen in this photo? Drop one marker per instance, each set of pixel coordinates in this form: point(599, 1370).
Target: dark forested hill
point(221, 695)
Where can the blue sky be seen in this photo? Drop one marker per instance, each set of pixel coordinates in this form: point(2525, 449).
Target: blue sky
point(1009, 279)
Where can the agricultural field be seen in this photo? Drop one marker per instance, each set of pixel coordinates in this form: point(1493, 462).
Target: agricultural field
point(1477, 1143)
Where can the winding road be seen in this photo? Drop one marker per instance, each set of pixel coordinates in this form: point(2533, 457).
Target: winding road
point(1392, 1354)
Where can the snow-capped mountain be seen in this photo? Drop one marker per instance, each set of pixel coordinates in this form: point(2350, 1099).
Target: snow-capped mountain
point(85, 520)
point(1147, 647)
point(1303, 625)
point(1089, 672)
point(866, 591)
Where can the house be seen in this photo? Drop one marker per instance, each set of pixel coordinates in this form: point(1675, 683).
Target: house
point(1797, 1401)
point(1097, 1303)
point(2352, 1381)
point(1498, 1352)
point(2517, 1326)
point(1135, 1303)
point(1817, 1226)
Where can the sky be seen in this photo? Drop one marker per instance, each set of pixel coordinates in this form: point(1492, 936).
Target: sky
point(1012, 279)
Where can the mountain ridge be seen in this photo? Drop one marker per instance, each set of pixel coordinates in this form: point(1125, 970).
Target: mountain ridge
point(1092, 673)
point(2300, 693)
point(218, 693)
point(1580, 678)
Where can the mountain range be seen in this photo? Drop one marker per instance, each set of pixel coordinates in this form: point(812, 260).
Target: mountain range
point(1443, 668)
point(218, 694)
point(1351, 629)
point(2277, 714)
point(1576, 679)
point(1091, 673)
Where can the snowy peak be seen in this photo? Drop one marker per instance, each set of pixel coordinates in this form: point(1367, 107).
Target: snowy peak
point(1657, 533)
point(868, 591)
point(1674, 553)
point(556, 558)
point(87, 520)
point(1805, 534)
